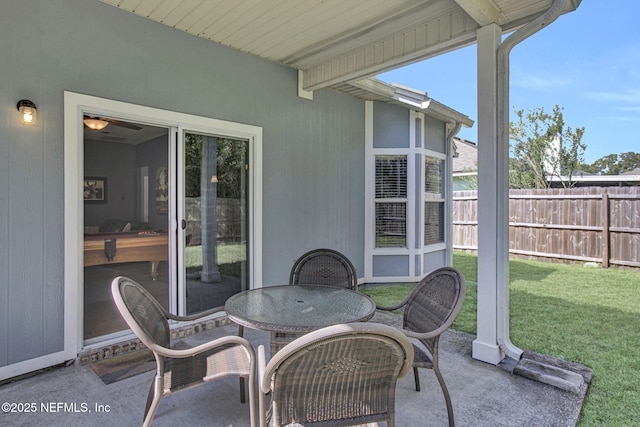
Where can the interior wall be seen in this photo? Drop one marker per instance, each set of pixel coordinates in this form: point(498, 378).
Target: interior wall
point(116, 162)
point(119, 163)
point(313, 181)
point(154, 154)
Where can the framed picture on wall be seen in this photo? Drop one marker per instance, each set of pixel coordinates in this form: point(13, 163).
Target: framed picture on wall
point(95, 189)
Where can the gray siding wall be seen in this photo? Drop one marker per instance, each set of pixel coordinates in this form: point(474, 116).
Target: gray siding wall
point(390, 126)
point(435, 135)
point(313, 186)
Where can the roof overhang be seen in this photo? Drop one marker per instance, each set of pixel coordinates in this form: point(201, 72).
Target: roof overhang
point(372, 89)
point(336, 41)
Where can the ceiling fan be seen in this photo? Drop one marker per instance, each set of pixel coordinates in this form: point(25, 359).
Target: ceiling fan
point(98, 123)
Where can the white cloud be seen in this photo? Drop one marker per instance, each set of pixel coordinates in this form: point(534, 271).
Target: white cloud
point(532, 82)
point(631, 96)
point(630, 109)
point(632, 119)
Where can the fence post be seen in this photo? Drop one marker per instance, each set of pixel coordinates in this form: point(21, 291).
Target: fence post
point(605, 229)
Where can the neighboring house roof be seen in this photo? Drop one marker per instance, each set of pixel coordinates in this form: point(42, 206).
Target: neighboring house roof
point(636, 171)
point(465, 162)
point(466, 157)
point(622, 180)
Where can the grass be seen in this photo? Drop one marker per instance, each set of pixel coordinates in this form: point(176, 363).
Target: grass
point(230, 257)
point(585, 315)
point(227, 253)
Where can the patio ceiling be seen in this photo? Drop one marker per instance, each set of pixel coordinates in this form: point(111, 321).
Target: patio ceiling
point(335, 41)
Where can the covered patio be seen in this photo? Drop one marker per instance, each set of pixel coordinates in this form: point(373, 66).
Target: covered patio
point(301, 71)
point(482, 395)
point(340, 45)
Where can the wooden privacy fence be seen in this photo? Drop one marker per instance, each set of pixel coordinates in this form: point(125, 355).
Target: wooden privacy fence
point(590, 224)
point(229, 216)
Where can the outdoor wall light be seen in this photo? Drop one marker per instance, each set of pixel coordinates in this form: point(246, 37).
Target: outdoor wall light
point(27, 112)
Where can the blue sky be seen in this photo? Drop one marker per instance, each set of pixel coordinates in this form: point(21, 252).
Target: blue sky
point(587, 61)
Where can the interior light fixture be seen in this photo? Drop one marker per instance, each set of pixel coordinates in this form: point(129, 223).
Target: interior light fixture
point(27, 111)
point(95, 124)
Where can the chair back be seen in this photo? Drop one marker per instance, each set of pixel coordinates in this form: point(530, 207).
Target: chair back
point(435, 303)
point(181, 366)
point(142, 312)
point(336, 375)
point(324, 267)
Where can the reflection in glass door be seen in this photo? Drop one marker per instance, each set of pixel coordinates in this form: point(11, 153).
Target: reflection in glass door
point(215, 189)
point(126, 221)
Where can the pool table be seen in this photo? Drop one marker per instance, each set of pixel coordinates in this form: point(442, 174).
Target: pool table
point(131, 246)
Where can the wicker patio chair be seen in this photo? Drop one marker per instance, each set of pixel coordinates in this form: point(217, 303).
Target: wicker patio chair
point(429, 311)
point(177, 367)
point(339, 375)
point(318, 267)
point(324, 267)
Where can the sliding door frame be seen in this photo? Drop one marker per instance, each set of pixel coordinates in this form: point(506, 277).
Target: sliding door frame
point(75, 105)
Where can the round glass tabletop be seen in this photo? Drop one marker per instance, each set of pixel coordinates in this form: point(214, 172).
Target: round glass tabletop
point(298, 308)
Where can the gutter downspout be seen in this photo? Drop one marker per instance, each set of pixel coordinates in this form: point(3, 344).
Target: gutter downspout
point(556, 9)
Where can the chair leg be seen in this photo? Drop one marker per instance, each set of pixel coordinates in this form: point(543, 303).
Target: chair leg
point(243, 398)
point(445, 392)
point(416, 376)
point(153, 400)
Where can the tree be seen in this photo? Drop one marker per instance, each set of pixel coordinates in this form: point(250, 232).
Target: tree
point(231, 157)
point(543, 147)
point(614, 164)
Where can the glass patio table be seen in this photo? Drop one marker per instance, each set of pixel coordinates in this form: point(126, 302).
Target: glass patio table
point(293, 310)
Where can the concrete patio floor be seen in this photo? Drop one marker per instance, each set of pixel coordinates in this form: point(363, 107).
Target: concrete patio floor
point(482, 395)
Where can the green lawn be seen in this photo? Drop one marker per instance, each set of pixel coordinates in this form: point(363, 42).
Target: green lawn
point(576, 313)
point(227, 253)
point(230, 257)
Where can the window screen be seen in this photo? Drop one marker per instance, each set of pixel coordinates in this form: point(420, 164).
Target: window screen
point(434, 178)
point(391, 201)
point(434, 204)
point(433, 222)
point(391, 225)
point(391, 177)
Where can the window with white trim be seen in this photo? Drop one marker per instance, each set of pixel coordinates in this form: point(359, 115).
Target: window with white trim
point(434, 200)
point(391, 201)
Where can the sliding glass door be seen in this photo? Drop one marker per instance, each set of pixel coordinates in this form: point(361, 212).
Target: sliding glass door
point(126, 219)
point(213, 190)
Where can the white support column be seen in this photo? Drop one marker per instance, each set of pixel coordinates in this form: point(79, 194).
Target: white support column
point(369, 191)
point(492, 239)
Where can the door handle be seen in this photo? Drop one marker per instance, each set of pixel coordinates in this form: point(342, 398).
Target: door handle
point(184, 224)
